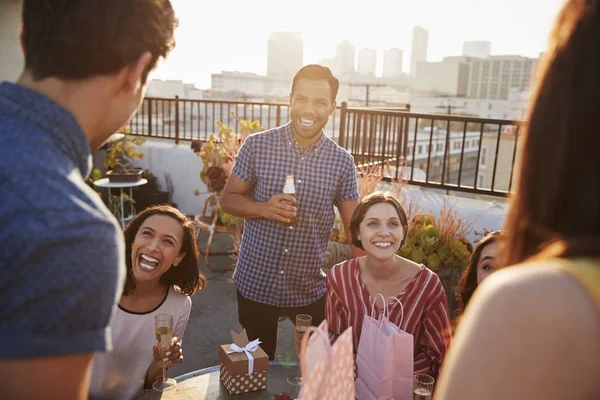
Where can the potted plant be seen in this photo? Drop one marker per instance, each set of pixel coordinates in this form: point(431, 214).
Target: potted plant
point(440, 244)
point(120, 152)
point(218, 155)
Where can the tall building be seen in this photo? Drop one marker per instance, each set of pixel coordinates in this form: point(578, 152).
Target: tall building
point(477, 49)
point(392, 63)
point(449, 77)
point(285, 55)
point(367, 62)
point(418, 51)
point(329, 63)
point(344, 60)
point(494, 77)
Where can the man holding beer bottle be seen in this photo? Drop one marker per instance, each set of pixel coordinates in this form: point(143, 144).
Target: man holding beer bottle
point(285, 183)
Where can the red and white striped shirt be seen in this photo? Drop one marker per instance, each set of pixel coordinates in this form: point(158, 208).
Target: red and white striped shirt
point(425, 306)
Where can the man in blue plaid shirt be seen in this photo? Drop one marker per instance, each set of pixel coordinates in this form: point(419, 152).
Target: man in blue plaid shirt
point(279, 267)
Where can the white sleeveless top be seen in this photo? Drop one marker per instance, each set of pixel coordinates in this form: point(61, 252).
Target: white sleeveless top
point(120, 374)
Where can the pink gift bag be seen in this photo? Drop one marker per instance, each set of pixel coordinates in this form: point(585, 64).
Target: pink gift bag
point(384, 359)
point(327, 371)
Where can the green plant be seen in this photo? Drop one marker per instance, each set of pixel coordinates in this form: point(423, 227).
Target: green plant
point(122, 150)
point(438, 242)
point(114, 204)
point(218, 153)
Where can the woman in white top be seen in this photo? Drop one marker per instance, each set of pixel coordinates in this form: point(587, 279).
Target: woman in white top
point(163, 270)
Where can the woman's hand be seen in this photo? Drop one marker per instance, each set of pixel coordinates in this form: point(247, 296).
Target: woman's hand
point(167, 358)
point(170, 357)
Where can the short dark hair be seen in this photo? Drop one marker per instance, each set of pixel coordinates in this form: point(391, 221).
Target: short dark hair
point(187, 275)
point(79, 39)
point(558, 179)
point(468, 280)
point(367, 202)
point(318, 72)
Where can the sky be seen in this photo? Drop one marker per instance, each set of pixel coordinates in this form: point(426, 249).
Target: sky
point(232, 35)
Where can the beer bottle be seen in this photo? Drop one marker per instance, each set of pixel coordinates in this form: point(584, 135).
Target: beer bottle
point(290, 188)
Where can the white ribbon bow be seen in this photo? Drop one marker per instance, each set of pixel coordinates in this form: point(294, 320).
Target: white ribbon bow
point(249, 348)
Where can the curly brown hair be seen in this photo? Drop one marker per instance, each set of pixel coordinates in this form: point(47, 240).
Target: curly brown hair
point(187, 276)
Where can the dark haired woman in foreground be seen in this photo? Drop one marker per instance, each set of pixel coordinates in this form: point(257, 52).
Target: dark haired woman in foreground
point(532, 331)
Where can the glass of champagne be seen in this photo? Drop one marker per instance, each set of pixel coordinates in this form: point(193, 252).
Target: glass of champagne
point(423, 387)
point(303, 322)
point(163, 324)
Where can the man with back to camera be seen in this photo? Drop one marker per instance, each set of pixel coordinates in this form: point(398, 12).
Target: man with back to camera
point(279, 266)
point(62, 253)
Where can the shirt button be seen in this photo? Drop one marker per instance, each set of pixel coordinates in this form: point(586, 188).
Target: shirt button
point(299, 180)
point(286, 250)
point(302, 159)
point(281, 272)
point(291, 227)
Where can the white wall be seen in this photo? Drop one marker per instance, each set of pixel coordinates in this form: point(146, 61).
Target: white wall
point(162, 156)
point(11, 57)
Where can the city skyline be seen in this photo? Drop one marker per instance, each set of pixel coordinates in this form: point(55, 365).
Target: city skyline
point(238, 41)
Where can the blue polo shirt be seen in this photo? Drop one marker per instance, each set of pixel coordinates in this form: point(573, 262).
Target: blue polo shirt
point(61, 251)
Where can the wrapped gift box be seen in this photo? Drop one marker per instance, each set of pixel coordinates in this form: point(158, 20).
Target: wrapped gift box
point(239, 374)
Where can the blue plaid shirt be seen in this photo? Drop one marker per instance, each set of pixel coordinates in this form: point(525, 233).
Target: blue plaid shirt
point(281, 265)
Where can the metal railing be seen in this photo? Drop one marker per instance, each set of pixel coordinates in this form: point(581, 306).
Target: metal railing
point(450, 152)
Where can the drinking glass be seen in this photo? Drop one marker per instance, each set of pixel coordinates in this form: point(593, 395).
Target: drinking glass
point(423, 387)
point(163, 324)
point(303, 322)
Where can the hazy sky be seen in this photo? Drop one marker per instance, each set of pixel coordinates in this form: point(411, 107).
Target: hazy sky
point(233, 34)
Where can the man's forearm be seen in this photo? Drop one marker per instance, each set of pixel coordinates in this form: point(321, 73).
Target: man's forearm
point(241, 206)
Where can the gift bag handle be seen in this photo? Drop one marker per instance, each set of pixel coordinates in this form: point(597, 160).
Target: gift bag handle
point(401, 308)
point(305, 339)
point(385, 311)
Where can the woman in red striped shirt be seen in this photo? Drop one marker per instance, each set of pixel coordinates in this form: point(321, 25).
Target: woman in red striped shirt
point(378, 226)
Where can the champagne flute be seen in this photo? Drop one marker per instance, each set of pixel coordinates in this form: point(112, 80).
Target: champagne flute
point(303, 322)
point(423, 387)
point(163, 324)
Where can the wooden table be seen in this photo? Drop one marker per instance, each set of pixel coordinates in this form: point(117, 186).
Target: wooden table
point(204, 384)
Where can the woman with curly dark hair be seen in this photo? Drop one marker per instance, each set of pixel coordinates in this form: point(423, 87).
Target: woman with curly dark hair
point(163, 270)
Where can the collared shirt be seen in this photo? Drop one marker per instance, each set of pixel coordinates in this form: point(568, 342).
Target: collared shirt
point(61, 251)
point(281, 265)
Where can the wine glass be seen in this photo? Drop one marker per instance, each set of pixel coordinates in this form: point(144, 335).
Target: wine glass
point(423, 387)
point(163, 324)
point(303, 322)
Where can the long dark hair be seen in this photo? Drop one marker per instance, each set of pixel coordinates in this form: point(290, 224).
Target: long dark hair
point(187, 276)
point(468, 281)
point(558, 180)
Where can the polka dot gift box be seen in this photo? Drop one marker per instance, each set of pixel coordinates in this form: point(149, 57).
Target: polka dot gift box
point(244, 365)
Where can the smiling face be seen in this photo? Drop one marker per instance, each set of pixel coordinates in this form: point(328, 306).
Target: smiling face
point(310, 107)
point(487, 262)
point(156, 248)
point(381, 232)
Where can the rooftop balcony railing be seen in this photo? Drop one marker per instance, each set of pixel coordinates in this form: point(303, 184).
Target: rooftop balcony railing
point(450, 152)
